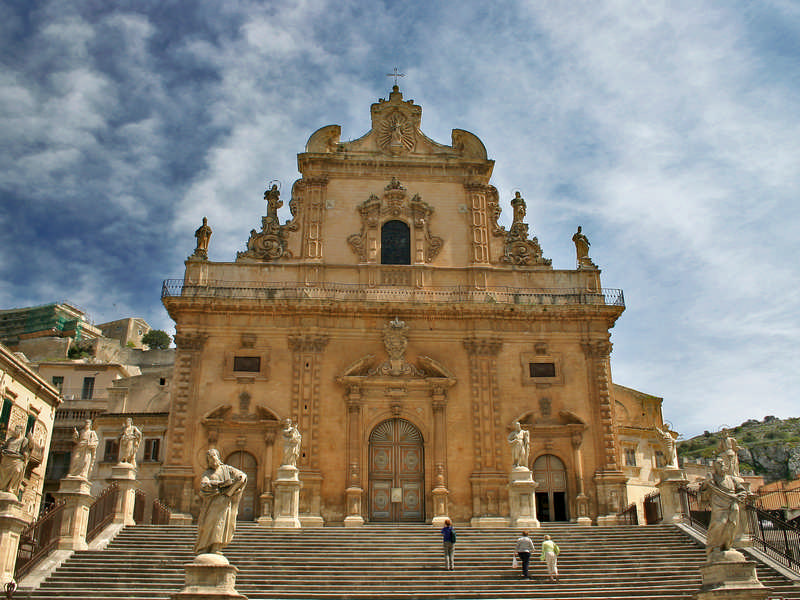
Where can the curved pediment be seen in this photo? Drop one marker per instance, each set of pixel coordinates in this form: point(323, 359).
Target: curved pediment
point(324, 139)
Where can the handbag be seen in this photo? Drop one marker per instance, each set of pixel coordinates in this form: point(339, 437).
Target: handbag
point(514, 562)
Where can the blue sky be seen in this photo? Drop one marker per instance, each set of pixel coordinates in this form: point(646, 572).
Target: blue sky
point(668, 130)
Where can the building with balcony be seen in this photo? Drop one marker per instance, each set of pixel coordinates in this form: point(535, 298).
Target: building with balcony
point(405, 332)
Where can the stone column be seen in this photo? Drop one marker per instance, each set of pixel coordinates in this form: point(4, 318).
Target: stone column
point(440, 491)
point(266, 497)
point(522, 499)
point(177, 475)
point(609, 479)
point(124, 475)
point(354, 492)
point(75, 491)
point(671, 482)
point(13, 520)
point(287, 498)
point(581, 500)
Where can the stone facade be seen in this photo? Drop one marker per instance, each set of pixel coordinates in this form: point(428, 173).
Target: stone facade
point(404, 331)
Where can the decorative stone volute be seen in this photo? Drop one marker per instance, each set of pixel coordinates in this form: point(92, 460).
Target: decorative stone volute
point(270, 243)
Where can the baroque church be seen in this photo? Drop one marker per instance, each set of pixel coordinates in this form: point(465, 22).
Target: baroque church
point(405, 332)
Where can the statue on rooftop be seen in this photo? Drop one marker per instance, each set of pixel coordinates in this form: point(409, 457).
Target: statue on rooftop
point(203, 235)
point(582, 249)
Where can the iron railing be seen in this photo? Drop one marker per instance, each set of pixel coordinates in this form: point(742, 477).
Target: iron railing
point(172, 288)
point(629, 515)
point(101, 512)
point(39, 538)
point(652, 508)
point(161, 513)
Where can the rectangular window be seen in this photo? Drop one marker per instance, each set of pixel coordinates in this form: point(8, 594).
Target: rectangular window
point(57, 465)
point(5, 415)
point(30, 424)
point(88, 388)
point(247, 364)
point(630, 457)
point(543, 369)
point(58, 383)
point(660, 462)
point(152, 446)
point(111, 453)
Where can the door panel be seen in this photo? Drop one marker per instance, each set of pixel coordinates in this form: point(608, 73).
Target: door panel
point(396, 462)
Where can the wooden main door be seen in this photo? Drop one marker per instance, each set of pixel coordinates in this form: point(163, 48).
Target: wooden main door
point(551, 494)
point(396, 473)
point(244, 461)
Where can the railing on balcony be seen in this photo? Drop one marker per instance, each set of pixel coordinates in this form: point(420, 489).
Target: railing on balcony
point(172, 288)
point(101, 513)
point(38, 539)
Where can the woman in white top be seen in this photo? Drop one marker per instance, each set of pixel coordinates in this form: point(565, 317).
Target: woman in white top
point(524, 550)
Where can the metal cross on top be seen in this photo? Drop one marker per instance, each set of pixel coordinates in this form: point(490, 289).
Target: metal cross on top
point(396, 74)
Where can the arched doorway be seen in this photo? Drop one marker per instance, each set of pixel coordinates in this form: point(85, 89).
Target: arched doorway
point(551, 495)
point(396, 472)
point(246, 462)
point(395, 243)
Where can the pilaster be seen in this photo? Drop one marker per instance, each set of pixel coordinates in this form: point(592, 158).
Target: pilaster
point(354, 492)
point(312, 198)
point(478, 207)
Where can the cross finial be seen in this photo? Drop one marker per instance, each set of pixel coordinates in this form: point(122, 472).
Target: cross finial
point(396, 74)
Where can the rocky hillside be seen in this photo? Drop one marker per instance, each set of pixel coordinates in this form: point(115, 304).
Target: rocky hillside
point(770, 447)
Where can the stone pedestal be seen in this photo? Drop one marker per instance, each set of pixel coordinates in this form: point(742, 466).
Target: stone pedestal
point(672, 479)
point(731, 578)
point(353, 503)
point(287, 498)
point(209, 577)
point(439, 506)
point(265, 519)
point(124, 475)
point(76, 492)
point(522, 499)
point(13, 520)
point(582, 507)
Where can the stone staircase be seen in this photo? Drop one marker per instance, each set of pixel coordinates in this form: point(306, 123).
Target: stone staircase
point(398, 563)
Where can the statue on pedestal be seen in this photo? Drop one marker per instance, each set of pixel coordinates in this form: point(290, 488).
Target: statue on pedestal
point(291, 443)
point(83, 451)
point(221, 488)
point(520, 440)
point(725, 493)
point(582, 249)
point(129, 441)
point(729, 452)
point(670, 446)
point(15, 453)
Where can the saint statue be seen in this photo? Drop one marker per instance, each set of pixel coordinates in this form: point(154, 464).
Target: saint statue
point(670, 446)
point(83, 451)
point(725, 493)
point(729, 452)
point(129, 440)
point(581, 245)
point(14, 458)
point(203, 235)
point(221, 488)
point(291, 443)
point(520, 440)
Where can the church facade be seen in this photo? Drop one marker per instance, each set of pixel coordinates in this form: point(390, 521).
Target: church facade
point(405, 332)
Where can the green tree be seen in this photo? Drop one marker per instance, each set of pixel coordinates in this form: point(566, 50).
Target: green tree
point(156, 339)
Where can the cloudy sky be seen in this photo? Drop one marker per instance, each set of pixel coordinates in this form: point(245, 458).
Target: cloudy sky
point(668, 130)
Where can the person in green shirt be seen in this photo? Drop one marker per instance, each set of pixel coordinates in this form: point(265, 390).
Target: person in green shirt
point(550, 551)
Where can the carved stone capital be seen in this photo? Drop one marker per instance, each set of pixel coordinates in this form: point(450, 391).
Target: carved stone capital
point(307, 343)
point(483, 346)
point(190, 341)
